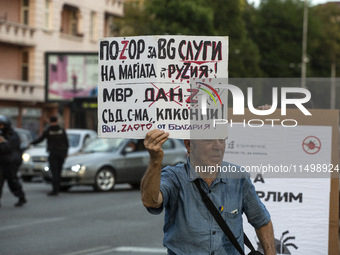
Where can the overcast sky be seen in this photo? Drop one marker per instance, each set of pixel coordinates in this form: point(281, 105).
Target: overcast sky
point(313, 2)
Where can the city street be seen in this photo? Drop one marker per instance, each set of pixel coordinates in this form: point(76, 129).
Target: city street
point(78, 222)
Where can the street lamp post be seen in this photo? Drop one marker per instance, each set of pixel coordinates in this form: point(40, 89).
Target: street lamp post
point(304, 59)
point(333, 89)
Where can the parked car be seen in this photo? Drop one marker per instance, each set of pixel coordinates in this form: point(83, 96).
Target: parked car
point(35, 159)
point(25, 137)
point(103, 162)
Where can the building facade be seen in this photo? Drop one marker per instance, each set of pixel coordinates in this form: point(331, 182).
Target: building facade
point(31, 28)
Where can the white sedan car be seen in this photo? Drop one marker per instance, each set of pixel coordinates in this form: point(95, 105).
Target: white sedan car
point(35, 159)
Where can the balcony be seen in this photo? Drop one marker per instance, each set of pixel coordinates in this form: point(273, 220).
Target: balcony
point(21, 91)
point(76, 38)
point(115, 7)
point(16, 33)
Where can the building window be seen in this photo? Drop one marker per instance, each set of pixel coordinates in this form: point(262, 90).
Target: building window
point(47, 14)
point(24, 68)
point(25, 12)
point(93, 26)
point(73, 23)
point(70, 20)
point(110, 27)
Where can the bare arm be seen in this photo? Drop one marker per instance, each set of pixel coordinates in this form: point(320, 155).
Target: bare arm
point(266, 237)
point(150, 185)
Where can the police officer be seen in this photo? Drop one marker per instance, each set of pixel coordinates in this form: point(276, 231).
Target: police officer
point(57, 146)
point(10, 159)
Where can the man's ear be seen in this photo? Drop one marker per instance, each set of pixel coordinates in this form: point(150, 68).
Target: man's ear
point(187, 145)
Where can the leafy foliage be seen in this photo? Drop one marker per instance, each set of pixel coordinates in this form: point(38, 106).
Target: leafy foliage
point(326, 48)
point(263, 42)
point(186, 17)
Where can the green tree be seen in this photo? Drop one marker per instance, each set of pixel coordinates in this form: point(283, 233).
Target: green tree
point(244, 56)
point(326, 46)
point(185, 17)
point(228, 18)
point(278, 34)
point(197, 17)
point(136, 20)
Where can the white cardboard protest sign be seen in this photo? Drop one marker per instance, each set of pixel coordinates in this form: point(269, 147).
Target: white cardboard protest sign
point(164, 82)
point(294, 171)
point(299, 207)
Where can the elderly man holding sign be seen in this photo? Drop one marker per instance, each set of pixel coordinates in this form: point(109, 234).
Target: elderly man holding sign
point(189, 227)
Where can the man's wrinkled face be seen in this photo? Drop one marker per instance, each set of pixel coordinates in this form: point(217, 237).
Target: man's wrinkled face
point(205, 152)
